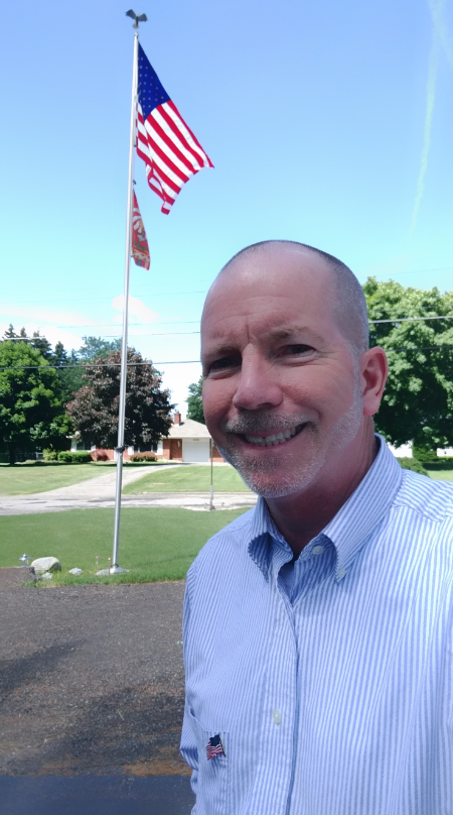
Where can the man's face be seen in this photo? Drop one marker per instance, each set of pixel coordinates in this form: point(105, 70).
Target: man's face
point(281, 393)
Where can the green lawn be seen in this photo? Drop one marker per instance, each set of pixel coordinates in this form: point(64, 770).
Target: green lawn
point(156, 544)
point(26, 480)
point(189, 479)
point(441, 471)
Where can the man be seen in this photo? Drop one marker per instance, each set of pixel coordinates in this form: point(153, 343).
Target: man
point(318, 627)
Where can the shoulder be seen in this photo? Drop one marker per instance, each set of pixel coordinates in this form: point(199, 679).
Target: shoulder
point(425, 496)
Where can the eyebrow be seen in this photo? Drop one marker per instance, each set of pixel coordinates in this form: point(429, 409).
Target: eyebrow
point(286, 333)
point(219, 348)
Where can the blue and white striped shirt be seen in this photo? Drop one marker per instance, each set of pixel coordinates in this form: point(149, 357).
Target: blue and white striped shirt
point(330, 683)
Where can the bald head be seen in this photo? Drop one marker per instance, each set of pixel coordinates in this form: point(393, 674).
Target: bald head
point(348, 300)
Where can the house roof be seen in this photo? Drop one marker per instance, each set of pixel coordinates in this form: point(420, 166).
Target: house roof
point(189, 429)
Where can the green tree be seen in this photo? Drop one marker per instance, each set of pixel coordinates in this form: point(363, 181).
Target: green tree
point(69, 365)
point(195, 402)
point(418, 400)
point(69, 370)
point(30, 412)
point(94, 409)
point(42, 344)
point(94, 347)
point(10, 334)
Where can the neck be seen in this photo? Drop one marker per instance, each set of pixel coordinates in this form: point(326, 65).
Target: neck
point(302, 516)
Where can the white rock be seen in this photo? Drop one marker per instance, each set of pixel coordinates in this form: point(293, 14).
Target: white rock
point(46, 576)
point(76, 571)
point(46, 564)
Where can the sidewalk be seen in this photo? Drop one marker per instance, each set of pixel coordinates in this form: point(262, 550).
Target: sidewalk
point(99, 493)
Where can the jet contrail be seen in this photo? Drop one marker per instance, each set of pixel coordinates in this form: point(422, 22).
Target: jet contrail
point(430, 96)
point(437, 9)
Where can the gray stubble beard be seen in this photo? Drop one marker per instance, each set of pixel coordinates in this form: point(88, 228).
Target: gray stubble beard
point(343, 432)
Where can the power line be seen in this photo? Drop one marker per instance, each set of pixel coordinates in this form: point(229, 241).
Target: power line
point(107, 297)
point(105, 325)
point(421, 271)
point(419, 348)
point(412, 319)
point(175, 361)
point(149, 334)
point(186, 293)
point(189, 322)
point(94, 365)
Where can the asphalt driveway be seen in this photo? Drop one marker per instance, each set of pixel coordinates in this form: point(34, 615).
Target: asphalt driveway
point(91, 699)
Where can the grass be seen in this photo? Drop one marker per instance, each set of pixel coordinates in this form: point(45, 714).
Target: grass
point(27, 480)
point(156, 544)
point(189, 479)
point(440, 470)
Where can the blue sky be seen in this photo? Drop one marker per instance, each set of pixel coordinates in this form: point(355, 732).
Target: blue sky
point(329, 123)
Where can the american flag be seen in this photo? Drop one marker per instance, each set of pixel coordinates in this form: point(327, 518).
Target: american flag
point(168, 147)
point(214, 747)
point(140, 248)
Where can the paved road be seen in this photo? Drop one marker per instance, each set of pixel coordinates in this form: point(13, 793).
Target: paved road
point(99, 492)
point(96, 795)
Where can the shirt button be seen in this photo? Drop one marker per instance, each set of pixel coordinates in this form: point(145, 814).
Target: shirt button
point(277, 716)
point(317, 550)
point(341, 573)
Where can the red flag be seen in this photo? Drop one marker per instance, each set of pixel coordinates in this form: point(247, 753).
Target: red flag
point(140, 248)
point(166, 144)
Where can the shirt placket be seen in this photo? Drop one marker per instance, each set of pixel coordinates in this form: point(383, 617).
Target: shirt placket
point(280, 710)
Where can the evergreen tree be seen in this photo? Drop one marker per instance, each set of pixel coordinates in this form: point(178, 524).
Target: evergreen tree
point(10, 334)
point(42, 344)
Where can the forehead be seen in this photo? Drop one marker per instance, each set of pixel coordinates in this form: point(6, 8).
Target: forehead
point(273, 287)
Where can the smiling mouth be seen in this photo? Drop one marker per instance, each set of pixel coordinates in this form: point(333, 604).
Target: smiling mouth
point(278, 438)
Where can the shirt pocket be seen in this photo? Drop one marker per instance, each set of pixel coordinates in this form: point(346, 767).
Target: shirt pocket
point(213, 774)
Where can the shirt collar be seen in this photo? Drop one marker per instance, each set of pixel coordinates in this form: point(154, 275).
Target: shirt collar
point(352, 524)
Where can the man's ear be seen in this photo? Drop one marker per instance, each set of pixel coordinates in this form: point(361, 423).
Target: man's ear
point(374, 370)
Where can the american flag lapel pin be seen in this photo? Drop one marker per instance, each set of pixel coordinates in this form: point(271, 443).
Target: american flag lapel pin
point(214, 747)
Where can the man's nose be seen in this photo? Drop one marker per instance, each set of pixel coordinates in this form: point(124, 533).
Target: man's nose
point(257, 386)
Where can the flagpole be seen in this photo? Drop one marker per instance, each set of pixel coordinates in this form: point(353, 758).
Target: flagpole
point(119, 449)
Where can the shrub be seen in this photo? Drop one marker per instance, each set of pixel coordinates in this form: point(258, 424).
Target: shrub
point(424, 454)
point(65, 456)
point(69, 457)
point(412, 464)
point(81, 457)
point(50, 454)
point(99, 455)
point(143, 457)
point(442, 463)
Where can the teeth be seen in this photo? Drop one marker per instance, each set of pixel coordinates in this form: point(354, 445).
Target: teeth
point(270, 441)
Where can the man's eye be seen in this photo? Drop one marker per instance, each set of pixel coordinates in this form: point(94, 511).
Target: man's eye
point(297, 349)
point(221, 364)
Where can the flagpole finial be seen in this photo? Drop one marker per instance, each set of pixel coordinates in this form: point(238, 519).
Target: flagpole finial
point(138, 18)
